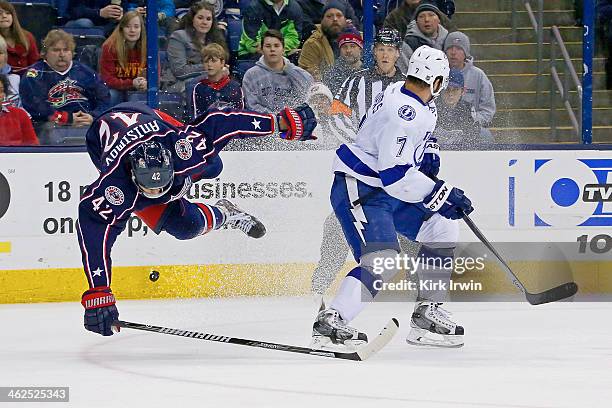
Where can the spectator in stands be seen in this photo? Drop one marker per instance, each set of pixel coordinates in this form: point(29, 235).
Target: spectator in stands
point(274, 82)
point(11, 90)
point(349, 61)
point(332, 129)
point(424, 30)
point(359, 90)
point(21, 45)
point(123, 62)
point(198, 29)
point(15, 124)
point(217, 89)
point(313, 13)
point(478, 88)
point(455, 122)
point(401, 17)
point(92, 13)
point(282, 15)
point(321, 50)
point(58, 91)
point(166, 13)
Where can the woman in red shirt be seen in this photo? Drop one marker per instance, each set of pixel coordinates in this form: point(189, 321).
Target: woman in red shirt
point(15, 124)
point(123, 62)
point(22, 49)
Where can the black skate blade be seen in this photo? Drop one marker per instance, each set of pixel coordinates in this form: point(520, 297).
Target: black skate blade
point(379, 341)
point(552, 295)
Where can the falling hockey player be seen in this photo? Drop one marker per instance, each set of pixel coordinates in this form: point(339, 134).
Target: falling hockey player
point(147, 162)
point(384, 184)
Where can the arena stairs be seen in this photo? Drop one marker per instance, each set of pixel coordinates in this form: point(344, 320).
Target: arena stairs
point(512, 68)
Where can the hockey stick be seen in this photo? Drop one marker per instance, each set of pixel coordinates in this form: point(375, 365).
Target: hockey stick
point(361, 354)
point(551, 295)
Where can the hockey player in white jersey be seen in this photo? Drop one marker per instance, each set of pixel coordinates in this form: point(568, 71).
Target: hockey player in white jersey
point(384, 185)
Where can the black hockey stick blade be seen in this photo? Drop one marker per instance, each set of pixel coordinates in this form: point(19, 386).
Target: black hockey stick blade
point(361, 354)
point(552, 295)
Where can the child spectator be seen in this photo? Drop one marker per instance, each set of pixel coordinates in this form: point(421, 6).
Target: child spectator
point(218, 88)
point(455, 123)
point(58, 91)
point(199, 28)
point(15, 124)
point(123, 61)
point(21, 45)
point(12, 89)
point(274, 82)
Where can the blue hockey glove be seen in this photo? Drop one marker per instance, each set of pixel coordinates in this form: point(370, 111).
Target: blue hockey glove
point(300, 122)
point(430, 166)
point(450, 202)
point(100, 310)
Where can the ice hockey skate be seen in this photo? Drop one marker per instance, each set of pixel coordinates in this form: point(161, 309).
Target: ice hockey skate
point(431, 326)
point(330, 332)
point(237, 218)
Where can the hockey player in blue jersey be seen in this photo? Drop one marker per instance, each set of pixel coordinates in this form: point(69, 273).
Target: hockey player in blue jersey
point(147, 162)
point(385, 183)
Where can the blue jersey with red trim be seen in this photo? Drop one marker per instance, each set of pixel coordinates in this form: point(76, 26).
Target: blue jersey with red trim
point(108, 202)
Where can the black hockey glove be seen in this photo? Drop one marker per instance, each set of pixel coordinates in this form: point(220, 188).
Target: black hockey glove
point(100, 310)
point(450, 202)
point(300, 122)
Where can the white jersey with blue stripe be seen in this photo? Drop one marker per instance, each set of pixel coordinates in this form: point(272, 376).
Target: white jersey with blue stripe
point(390, 145)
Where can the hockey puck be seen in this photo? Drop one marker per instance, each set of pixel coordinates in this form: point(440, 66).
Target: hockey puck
point(154, 276)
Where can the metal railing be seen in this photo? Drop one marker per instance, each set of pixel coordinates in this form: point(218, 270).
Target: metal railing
point(562, 87)
point(537, 23)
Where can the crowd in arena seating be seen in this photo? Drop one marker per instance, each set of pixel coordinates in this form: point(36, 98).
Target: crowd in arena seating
point(254, 54)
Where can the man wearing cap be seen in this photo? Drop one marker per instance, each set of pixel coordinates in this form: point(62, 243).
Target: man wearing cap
point(359, 90)
point(455, 123)
point(332, 130)
point(321, 50)
point(424, 30)
point(313, 13)
point(349, 61)
point(478, 88)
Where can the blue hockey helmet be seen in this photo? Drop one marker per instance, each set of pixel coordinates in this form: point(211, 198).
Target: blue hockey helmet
point(152, 169)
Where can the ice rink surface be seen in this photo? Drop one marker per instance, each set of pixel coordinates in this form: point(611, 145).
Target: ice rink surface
point(516, 356)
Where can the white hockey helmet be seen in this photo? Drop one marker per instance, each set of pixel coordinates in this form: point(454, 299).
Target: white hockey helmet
point(428, 64)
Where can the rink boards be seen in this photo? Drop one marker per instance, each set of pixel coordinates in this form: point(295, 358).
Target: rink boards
point(520, 196)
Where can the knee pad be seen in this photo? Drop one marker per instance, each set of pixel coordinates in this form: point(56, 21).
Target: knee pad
point(183, 220)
